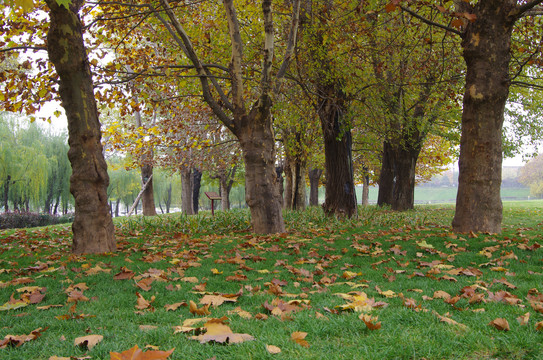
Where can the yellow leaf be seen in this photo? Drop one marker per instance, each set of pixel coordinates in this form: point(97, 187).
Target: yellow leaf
point(299, 338)
point(88, 341)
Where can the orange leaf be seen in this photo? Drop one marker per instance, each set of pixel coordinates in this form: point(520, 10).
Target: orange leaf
point(539, 326)
point(137, 354)
point(500, 324)
point(201, 311)
point(523, 319)
point(299, 338)
point(370, 321)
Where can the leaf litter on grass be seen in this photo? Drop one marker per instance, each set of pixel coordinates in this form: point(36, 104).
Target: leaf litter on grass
point(422, 270)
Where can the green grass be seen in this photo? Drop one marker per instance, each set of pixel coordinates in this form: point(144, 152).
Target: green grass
point(314, 249)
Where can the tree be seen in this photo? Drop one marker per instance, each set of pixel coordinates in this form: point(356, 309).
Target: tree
point(531, 175)
point(92, 227)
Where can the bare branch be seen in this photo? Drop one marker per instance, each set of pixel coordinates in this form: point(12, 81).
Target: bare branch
point(268, 47)
point(17, 48)
point(430, 22)
point(519, 11)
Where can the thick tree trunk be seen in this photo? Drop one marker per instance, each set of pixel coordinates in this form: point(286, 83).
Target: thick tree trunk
point(405, 163)
point(299, 190)
point(486, 45)
point(314, 177)
point(93, 230)
point(196, 185)
point(187, 191)
point(261, 191)
point(386, 177)
point(225, 194)
point(148, 197)
point(340, 195)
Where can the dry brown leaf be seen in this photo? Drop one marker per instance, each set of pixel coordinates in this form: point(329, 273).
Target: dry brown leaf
point(125, 274)
point(145, 284)
point(523, 319)
point(216, 300)
point(175, 306)
point(137, 354)
point(88, 341)
point(272, 349)
point(448, 320)
point(500, 324)
point(244, 314)
point(144, 304)
point(147, 327)
point(440, 294)
point(217, 331)
point(193, 308)
point(370, 321)
point(299, 338)
point(18, 340)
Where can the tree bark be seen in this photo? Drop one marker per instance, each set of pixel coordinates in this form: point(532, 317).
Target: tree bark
point(386, 177)
point(196, 184)
point(187, 191)
point(148, 197)
point(314, 177)
point(280, 183)
point(340, 195)
point(93, 230)
point(486, 44)
point(168, 199)
point(366, 191)
point(287, 198)
point(404, 178)
point(257, 141)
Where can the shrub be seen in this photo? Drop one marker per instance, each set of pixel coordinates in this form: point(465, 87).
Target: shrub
point(12, 220)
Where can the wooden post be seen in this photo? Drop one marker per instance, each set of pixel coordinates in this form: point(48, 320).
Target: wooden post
point(213, 196)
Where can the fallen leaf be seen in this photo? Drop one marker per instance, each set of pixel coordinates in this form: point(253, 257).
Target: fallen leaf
point(88, 341)
point(125, 274)
point(370, 321)
point(523, 319)
point(18, 340)
point(244, 314)
point(299, 338)
point(272, 349)
point(193, 308)
point(147, 327)
point(137, 354)
point(500, 324)
point(539, 326)
point(144, 304)
point(175, 306)
point(216, 300)
point(217, 331)
point(448, 320)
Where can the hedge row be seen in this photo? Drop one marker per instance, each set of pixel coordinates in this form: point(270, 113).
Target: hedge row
point(12, 220)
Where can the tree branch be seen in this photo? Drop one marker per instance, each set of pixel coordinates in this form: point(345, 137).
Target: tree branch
point(430, 22)
point(291, 44)
point(185, 44)
point(519, 11)
point(267, 62)
point(16, 48)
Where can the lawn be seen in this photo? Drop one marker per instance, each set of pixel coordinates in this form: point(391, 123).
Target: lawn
point(384, 286)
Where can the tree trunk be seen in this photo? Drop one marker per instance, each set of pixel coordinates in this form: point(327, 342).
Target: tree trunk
point(6, 193)
point(225, 194)
point(405, 163)
point(314, 176)
point(287, 199)
point(187, 191)
point(93, 230)
point(366, 191)
point(148, 197)
point(117, 207)
point(386, 177)
point(298, 189)
point(340, 195)
point(196, 184)
point(280, 183)
point(261, 191)
point(168, 200)
point(486, 44)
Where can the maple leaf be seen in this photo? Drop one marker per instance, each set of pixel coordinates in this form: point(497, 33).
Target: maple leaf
point(299, 338)
point(136, 353)
point(523, 319)
point(88, 341)
point(216, 300)
point(217, 331)
point(193, 308)
point(18, 340)
point(448, 320)
point(244, 314)
point(144, 304)
point(145, 284)
point(173, 307)
point(500, 324)
point(125, 274)
point(370, 321)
